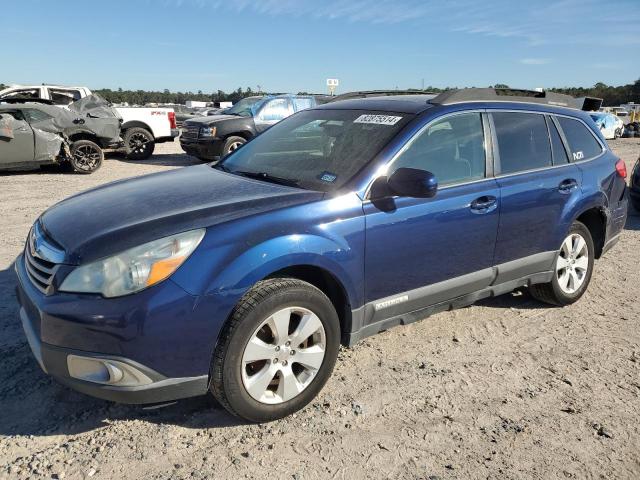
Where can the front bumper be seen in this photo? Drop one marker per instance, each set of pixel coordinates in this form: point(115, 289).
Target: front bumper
point(155, 332)
point(210, 149)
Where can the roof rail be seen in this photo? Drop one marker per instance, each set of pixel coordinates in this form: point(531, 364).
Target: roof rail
point(376, 93)
point(504, 95)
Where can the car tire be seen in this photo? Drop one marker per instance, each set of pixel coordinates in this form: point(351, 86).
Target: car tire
point(139, 143)
point(572, 269)
point(261, 389)
point(636, 204)
point(231, 144)
point(86, 156)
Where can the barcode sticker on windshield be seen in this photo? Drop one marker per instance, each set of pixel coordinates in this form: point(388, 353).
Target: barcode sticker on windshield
point(378, 119)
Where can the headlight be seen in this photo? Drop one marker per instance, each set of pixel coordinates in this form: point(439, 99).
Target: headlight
point(135, 269)
point(207, 131)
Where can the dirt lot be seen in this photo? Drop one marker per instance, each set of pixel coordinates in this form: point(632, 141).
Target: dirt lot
point(506, 389)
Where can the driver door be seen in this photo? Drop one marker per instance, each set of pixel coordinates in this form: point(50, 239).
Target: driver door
point(423, 251)
point(20, 148)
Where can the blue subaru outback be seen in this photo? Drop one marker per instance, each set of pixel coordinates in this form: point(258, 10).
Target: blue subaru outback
point(243, 278)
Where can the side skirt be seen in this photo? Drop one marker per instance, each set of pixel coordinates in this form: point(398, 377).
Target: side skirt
point(457, 302)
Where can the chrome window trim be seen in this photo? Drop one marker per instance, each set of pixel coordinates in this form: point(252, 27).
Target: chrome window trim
point(560, 131)
point(405, 147)
point(492, 144)
point(589, 129)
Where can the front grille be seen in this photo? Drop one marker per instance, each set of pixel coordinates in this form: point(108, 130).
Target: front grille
point(190, 131)
point(41, 259)
point(40, 271)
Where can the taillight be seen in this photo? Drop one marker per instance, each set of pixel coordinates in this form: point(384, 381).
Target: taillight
point(621, 168)
point(172, 120)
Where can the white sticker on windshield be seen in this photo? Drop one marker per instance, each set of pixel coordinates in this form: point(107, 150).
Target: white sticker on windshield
point(378, 119)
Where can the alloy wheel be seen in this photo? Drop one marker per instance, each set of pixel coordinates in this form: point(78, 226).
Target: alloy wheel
point(573, 263)
point(283, 355)
point(234, 146)
point(138, 143)
point(86, 157)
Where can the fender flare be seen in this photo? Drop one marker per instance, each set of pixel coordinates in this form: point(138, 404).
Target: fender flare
point(311, 250)
point(136, 123)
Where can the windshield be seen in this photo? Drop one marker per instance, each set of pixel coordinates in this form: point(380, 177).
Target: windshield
point(244, 107)
point(317, 149)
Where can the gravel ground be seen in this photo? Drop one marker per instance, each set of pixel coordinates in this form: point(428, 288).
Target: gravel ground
point(509, 388)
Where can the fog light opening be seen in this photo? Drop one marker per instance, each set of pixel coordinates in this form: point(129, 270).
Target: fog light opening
point(105, 371)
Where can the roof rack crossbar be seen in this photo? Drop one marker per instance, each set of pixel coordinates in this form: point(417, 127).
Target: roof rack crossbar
point(505, 95)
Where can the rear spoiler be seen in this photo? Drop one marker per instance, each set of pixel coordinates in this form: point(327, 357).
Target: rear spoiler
point(589, 104)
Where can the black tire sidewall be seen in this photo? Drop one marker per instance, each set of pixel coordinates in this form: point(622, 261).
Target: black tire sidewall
point(72, 160)
point(300, 296)
point(229, 141)
point(149, 148)
point(562, 297)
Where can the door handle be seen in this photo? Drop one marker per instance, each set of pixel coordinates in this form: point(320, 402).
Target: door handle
point(567, 186)
point(484, 204)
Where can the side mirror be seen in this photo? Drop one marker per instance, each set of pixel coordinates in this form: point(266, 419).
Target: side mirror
point(411, 182)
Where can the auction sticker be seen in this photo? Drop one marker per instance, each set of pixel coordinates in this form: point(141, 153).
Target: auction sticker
point(378, 119)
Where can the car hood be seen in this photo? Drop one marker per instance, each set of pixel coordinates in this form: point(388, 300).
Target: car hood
point(124, 214)
point(213, 119)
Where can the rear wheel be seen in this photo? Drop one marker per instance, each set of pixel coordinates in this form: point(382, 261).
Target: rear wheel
point(572, 269)
point(86, 156)
point(139, 143)
point(277, 351)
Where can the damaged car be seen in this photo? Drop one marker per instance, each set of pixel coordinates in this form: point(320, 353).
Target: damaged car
point(35, 133)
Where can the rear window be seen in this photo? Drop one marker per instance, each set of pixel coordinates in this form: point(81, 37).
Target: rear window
point(523, 141)
point(582, 143)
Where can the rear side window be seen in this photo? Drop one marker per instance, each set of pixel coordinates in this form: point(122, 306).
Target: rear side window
point(559, 153)
point(63, 96)
point(36, 116)
point(582, 143)
point(523, 141)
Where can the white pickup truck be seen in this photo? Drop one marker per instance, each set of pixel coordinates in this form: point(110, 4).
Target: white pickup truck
point(141, 127)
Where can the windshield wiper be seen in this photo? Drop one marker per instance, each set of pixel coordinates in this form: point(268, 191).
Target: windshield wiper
point(220, 166)
point(290, 182)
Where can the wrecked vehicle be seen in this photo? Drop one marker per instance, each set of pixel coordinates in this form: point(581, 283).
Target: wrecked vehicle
point(35, 133)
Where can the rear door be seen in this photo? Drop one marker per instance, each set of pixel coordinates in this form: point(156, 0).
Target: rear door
point(20, 148)
point(537, 183)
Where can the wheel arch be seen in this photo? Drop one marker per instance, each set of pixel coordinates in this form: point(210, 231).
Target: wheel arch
point(136, 123)
point(326, 282)
point(595, 219)
point(244, 134)
point(84, 135)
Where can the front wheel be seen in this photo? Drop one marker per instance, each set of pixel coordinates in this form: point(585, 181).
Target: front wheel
point(277, 351)
point(86, 156)
point(139, 143)
point(231, 144)
point(572, 269)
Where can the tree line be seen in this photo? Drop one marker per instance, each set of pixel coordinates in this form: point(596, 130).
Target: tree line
point(612, 95)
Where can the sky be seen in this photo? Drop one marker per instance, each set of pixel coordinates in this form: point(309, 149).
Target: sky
point(295, 45)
